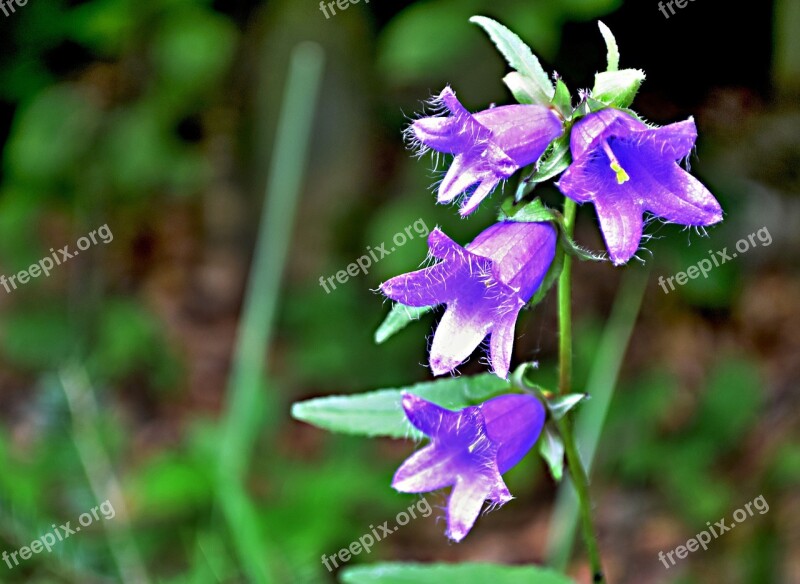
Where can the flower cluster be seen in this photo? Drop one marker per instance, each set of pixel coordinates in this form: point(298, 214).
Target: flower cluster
point(601, 153)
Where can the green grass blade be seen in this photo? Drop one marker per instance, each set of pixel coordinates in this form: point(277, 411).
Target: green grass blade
point(247, 401)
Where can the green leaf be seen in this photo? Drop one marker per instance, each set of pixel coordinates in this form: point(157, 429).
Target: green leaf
point(415, 45)
point(562, 100)
point(551, 448)
point(466, 573)
point(379, 413)
point(577, 251)
point(398, 318)
point(553, 162)
point(560, 405)
point(611, 44)
point(522, 88)
point(617, 88)
point(193, 49)
point(519, 56)
point(50, 137)
point(592, 105)
point(533, 212)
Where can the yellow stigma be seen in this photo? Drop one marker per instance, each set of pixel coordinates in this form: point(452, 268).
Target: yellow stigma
point(622, 176)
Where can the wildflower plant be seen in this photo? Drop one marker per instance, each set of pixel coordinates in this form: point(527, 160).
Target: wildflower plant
point(596, 151)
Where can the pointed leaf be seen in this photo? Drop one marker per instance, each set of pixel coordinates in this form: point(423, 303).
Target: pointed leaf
point(519, 56)
point(575, 250)
point(611, 44)
point(591, 105)
point(466, 573)
point(562, 404)
point(398, 318)
point(379, 413)
point(562, 100)
point(523, 89)
point(533, 212)
point(617, 88)
point(551, 449)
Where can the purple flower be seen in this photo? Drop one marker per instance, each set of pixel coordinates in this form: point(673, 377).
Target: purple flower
point(489, 146)
point(484, 286)
point(469, 450)
point(626, 168)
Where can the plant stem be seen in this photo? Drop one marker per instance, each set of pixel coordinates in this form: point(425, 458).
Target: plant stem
point(588, 423)
point(565, 308)
point(580, 481)
point(576, 470)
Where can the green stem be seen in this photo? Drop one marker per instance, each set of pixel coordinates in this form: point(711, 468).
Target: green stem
point(580, 481)
point(565, 307)
point(588, 424)
point(576, 468)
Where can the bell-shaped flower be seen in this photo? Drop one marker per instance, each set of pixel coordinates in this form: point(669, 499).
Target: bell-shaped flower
point(489, 146)
point(483, 285)
point(627, 168)
point(469, 450)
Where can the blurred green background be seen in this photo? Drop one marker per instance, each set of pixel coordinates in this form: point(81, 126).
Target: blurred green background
point(157, 370)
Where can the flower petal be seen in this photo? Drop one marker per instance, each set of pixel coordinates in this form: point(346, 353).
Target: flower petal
point(432, 419)
point(442, 247)
point(501, 344)
point(674, 141)
point(522, 132)
point(427, 470)
point(521, 253)
point(462, 328)
point(465, 170)
point(466, 502)
point(685, 200)
point(513, 422)
point(590, 130)
point(441, 134)
point(621, 223)
point(582, 181)
point(667, 190)
point(475, 199)
point(427, 287)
